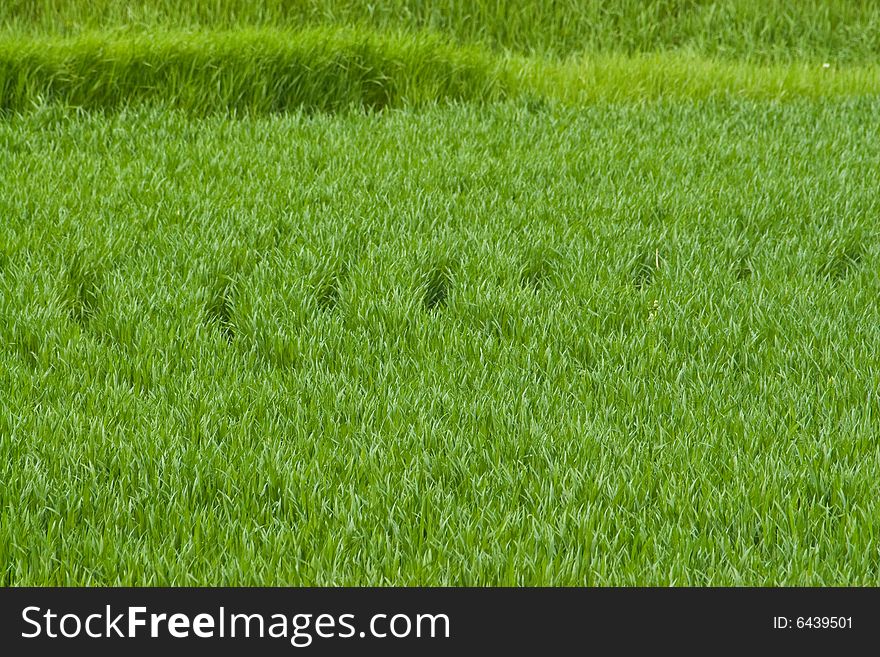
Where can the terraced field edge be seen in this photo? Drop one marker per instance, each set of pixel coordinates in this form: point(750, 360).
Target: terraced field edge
point(249, 70)
point(331, 69)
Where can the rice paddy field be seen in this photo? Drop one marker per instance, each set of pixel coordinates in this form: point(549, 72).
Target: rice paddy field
point(439, 293)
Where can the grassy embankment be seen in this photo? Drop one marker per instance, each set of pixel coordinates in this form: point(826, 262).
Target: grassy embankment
point(258, 71)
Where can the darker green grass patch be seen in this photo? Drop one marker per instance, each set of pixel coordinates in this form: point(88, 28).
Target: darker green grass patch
point(743, 267)
point(28, 346)
point(435, 289)
point(538, 268)
point(81, 287)
point(247, 71)
point(326, 283)
point(644, 267)
point(842, 258)
point(327, 292)
point(277, 350)
point(220, 305)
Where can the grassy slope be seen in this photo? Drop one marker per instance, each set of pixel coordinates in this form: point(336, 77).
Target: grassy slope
point(813, 30)
point(501, 344)
point(268, 70)
point(253, 70)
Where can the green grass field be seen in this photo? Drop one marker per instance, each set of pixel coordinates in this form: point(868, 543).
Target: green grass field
point(293, 294)
point(816, 30)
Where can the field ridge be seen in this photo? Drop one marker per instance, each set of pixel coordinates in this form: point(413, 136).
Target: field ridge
point(329, 69)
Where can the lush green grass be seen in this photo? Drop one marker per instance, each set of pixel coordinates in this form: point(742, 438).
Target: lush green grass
point(471, 344)
point(815, 30)
point(586, 296)
point(245, 70)
point(268, 70)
